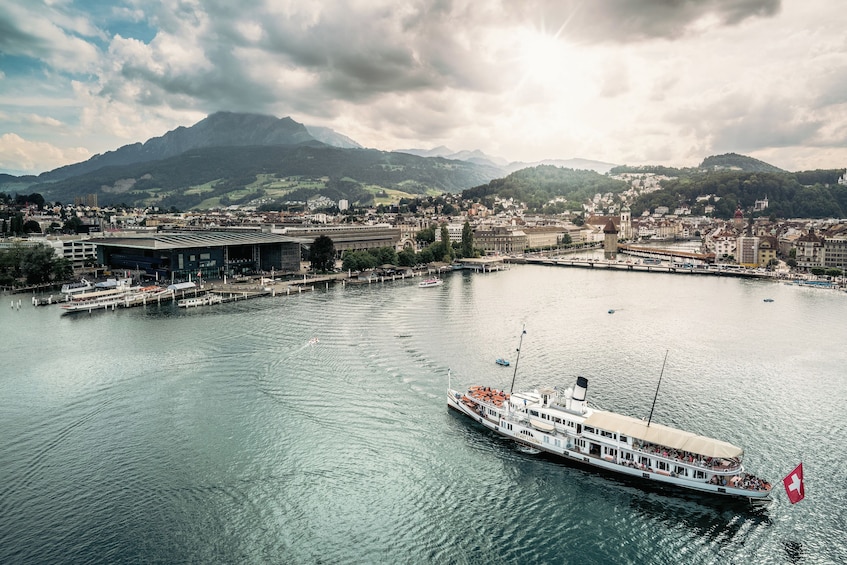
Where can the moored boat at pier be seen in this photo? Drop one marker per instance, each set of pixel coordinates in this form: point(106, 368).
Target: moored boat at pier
point(97, 300)
point(70, 290)
point(434, 281)
point(202, 300)
point(562, 424)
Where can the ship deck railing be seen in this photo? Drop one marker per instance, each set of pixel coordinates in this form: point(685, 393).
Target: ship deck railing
point(696, 461)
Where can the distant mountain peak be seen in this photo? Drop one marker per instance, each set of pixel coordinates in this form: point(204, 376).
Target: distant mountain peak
point(332, 137)
point(220, 129)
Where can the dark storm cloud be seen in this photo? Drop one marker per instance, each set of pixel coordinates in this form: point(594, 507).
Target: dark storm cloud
point(357, 54)
point(346, 55)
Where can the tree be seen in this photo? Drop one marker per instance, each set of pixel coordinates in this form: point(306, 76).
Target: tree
point(323, 254)
point(447, 249)
point(426, 235)
point(63, 270)
point(38, 264)
point(467, 240)
point(31, 226)
point(358, 261)
point(16, 224)
point(566, 239)
point(426, 256)
point(406, 258)
point(384, 255)
point(72, 225)
point(10, 265)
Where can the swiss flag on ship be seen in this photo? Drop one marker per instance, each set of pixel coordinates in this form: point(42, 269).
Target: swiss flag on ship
point(794, 485)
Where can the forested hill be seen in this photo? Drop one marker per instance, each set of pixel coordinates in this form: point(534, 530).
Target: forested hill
point(179, 181)
point(734, 161)
point(805, 194)
point(538, 186)
point(714, 163)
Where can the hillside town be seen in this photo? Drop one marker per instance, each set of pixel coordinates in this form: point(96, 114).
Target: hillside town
point(751, 239)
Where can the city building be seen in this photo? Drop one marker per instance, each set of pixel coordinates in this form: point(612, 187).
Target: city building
point(540, 237)
point(747, 251)
point(501, 239)
point(809, 252)
point(178, 256)
point(768, 247)
point(346, 237)
point(835, 252)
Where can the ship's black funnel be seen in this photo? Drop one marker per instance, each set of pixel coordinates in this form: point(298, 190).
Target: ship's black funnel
point(581, 388)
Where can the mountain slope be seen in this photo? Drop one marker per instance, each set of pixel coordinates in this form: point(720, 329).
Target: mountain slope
point(332, 137)
point(222, 129)
point(190, 179)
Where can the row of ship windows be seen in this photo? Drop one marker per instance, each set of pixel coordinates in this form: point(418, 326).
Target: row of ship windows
point(622, 438)
point(552, 419)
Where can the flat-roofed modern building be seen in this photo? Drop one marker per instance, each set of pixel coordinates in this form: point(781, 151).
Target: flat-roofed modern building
point(348, 237)
point(214, 254)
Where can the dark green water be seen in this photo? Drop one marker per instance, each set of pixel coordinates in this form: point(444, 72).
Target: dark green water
point(220, 435)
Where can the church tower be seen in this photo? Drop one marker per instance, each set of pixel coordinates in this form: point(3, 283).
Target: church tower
point(738, 219)
point(626, 222)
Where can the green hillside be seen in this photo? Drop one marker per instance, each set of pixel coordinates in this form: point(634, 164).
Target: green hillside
point(734, 161)
point(805, 194)
point(538, 186)
point(208, 176)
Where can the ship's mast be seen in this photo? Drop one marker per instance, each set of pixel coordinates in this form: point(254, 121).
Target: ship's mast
point(515, 374)
point(657, 389)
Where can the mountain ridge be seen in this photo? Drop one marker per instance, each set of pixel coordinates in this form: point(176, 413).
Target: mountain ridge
point(215, 130)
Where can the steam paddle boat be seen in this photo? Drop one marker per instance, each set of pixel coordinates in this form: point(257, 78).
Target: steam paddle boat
point(564, 425)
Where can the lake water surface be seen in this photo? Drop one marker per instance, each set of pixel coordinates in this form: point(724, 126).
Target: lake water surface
point(220, 435)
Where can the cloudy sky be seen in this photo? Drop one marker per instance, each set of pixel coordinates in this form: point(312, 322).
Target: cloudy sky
point(622, 81)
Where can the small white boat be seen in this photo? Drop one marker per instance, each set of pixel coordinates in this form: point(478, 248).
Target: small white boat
point(434, 281)
point(205, 300)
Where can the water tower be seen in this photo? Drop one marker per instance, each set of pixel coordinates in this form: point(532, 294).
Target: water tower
point(610, 240)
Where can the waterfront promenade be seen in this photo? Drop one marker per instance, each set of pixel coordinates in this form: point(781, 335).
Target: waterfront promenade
point(637, 265)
